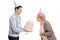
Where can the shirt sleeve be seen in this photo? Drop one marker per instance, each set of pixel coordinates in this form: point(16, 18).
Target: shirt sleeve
point(22, 29)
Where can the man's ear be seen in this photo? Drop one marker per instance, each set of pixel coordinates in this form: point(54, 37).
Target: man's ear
point(15, 9)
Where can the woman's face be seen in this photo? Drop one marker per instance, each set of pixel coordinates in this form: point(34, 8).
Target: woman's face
point(38, 18)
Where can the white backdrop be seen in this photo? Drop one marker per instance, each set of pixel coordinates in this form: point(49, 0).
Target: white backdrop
point(51, 8)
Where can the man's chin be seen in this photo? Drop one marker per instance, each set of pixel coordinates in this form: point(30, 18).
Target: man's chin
point(18, 14)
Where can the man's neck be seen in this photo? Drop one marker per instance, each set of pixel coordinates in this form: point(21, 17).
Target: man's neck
point(16, 14)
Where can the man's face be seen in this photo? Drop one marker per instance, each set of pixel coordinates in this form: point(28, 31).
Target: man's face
point(19, 11)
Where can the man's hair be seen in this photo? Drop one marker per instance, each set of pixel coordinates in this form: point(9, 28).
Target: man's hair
point(18, 7)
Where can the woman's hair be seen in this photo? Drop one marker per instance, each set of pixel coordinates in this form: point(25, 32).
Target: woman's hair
point(41, 16)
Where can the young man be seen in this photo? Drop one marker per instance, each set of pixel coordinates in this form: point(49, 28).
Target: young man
point(46, 26)
point(14, 24)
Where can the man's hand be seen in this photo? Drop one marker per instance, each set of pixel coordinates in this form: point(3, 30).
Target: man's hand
point(26, 30)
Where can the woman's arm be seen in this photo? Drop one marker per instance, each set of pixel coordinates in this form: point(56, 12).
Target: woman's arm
point(48, 29)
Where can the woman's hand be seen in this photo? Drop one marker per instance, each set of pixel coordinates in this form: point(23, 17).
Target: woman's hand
point(41, 34)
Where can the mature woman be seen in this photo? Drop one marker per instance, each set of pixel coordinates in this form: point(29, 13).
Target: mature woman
point(46, 31)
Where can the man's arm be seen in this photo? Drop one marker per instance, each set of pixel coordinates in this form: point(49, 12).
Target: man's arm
point(14, 26)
